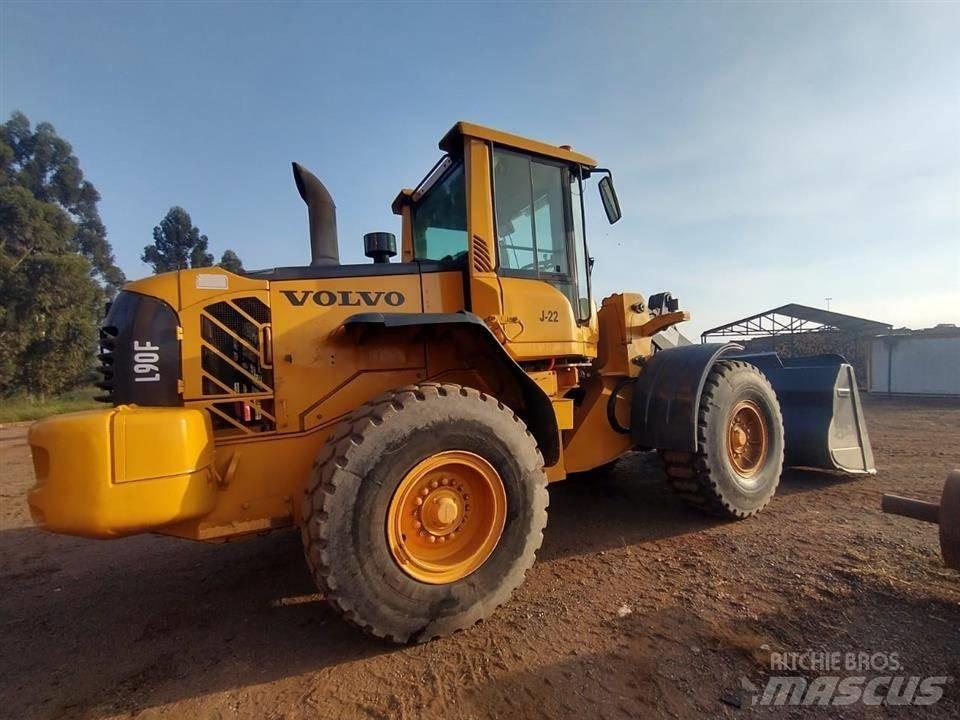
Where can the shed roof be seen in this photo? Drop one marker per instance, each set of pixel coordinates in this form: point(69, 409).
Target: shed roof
point(796, 318)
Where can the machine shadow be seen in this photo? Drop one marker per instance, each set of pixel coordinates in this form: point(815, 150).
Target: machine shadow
point(631, 503)
point(626, 504)
point(95, 628)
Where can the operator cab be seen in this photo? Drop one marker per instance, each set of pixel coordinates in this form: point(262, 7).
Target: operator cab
point(538, 212)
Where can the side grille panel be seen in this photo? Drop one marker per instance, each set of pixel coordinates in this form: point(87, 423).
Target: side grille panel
point(236, 374)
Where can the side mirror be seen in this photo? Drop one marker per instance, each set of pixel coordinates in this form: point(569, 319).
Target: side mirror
point(608, 195)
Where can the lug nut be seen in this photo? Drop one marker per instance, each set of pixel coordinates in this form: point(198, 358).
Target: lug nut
point(434, 484)
point(432, 538)
point(417, 525)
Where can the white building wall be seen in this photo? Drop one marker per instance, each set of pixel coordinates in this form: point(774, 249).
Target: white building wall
point(920, 365)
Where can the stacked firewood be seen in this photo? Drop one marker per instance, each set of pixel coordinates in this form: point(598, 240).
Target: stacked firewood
point(855, 348)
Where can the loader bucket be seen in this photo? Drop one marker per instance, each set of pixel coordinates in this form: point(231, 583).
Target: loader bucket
point(822, 414)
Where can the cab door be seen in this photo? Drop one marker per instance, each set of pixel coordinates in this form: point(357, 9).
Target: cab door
point(541, 255)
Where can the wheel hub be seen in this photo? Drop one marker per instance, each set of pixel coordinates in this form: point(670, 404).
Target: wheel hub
point(446, 516)
point(747, 438)
point(442, 510)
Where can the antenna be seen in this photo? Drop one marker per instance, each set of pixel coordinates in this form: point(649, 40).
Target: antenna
point(828, 302)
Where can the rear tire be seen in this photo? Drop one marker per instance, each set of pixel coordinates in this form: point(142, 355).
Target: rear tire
point(737, 469)
point(354, 507)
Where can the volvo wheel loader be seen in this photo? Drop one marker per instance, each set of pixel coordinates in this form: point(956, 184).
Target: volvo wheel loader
point(407, 416)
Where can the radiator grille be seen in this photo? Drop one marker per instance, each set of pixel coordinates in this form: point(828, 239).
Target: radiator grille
point(108, 334)
point(140, 352)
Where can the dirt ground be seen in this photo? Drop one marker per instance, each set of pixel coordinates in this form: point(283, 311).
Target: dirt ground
point(637, 607)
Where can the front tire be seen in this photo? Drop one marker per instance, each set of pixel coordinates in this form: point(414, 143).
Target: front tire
point(737, 469)
point(424, 511)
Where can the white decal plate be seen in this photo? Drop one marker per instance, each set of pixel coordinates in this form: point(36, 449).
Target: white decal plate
point(212, 282)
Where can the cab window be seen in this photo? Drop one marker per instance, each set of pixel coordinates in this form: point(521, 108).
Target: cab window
point(540, 224)
point(440, 219)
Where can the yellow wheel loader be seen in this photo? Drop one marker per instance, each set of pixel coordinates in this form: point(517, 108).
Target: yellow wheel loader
point(407, 416)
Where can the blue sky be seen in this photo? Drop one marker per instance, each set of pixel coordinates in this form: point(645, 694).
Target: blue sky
point(763, 153)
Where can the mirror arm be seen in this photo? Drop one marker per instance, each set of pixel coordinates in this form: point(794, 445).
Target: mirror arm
point(587, 172)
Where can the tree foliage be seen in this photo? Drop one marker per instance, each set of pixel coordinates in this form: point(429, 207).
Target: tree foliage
point(43, 163)
point(54, 255)
point(177, 244)
point(231, 261)
point(48, 312)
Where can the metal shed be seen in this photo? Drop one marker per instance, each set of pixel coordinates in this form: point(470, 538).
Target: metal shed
point(916, 362)
point(795, 330)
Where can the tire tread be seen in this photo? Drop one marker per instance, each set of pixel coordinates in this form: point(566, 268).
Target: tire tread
point(690, 474)
point(343, 447)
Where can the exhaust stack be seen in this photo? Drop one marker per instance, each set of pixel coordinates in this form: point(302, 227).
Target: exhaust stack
point(323, 217)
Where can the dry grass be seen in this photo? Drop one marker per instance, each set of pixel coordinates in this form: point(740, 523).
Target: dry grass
point(18, 409)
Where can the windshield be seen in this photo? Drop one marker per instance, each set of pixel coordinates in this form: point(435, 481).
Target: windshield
point(539, 218)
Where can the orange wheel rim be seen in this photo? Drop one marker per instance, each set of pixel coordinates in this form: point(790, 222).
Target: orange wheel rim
point(446, 516)
point(746, 438)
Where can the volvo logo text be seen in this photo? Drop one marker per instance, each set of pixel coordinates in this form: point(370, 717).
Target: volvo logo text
point(349, 298)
